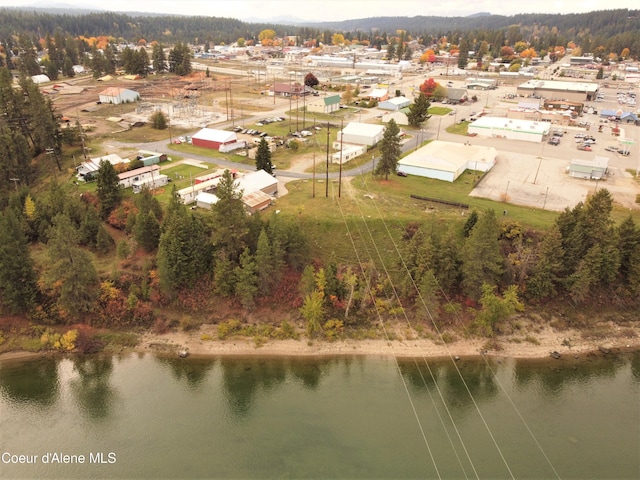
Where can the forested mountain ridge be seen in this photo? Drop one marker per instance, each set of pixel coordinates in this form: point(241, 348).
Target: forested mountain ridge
point(611, 29)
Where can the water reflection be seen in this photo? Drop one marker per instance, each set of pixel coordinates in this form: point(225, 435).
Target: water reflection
point(243, 378)
point(458, 383)
point(556, 375)
point(40, 386)
point(91, 388)
point(192, 371)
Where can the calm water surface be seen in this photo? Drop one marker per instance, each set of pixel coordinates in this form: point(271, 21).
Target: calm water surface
point(141, 416)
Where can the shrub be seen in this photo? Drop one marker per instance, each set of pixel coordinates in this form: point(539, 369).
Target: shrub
point(226, 329)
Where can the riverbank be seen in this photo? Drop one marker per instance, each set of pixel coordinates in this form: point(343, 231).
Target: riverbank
point(540, 345)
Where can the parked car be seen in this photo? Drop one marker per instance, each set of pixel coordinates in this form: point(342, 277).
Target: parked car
point(584, 147)
point(554, 141)
point(623, 152)
point(401, 173)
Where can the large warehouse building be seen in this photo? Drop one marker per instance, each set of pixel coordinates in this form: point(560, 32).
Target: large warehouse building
point(510, 128)
point(447, 160)
point(212, 138)
point(559, 90)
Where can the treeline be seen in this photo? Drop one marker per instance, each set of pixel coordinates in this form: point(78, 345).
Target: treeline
point(192, 258)
point(611, 30)
point(29, 127)
point(481, 270)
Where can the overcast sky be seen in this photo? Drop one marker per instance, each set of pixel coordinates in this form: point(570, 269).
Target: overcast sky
point(328, 10)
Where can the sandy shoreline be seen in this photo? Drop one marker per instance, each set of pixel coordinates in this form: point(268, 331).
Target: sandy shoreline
point(566, 343)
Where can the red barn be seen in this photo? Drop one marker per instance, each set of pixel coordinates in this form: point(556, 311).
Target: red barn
point(212, 138)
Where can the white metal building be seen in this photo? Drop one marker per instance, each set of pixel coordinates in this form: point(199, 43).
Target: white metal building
point(510, 128)
point(394, 104)
point(591, 169)
point(206, 200)
point(447, 160)
point(361, 134)
point(117, 95)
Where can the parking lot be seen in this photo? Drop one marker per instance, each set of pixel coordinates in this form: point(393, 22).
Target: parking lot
point(536, 174)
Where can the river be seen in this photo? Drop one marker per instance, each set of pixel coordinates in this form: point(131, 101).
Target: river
point(142, 416)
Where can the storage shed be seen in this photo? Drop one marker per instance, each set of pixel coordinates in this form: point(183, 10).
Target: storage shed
point(213, 138)
point(206, 200)
point(361, 134)
point(447, 160)
point(510, 128)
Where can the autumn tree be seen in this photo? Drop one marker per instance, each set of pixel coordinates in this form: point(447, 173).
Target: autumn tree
point(337, 39)
point(267, 37)
point(347, 95)
point(428, 87)
point(428, 56)
point(310, 80)
point(390, 150)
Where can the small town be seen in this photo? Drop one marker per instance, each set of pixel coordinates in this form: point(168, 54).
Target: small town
point(246, 240)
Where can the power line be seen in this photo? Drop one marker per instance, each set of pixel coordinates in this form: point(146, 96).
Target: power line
point(444, 403)
point(455, 364)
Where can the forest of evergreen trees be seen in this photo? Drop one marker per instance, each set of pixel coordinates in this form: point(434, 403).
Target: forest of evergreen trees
point(613, 30)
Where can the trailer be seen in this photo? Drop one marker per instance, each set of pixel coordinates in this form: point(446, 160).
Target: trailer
point(150, 183)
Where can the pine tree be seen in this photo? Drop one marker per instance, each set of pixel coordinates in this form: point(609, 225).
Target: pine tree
point(390, 150)
point(419, 110)
point(71, 271)
point(246, 280)
point(184, 252)
point(264, 264)
point(230, 224)
point(547, 272)
point(104, 241)
point(17, 277)
point(482, 261)
point(263, 157)
point(146, 231)
point(628, 240)
point(108, 189)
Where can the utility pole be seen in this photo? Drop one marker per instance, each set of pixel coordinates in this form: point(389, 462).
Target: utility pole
point(15, 182)
point(326, 187)
point(313, 194)
point(340, 174)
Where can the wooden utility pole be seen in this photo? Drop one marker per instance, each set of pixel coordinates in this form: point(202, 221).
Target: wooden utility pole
point(327, 166)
